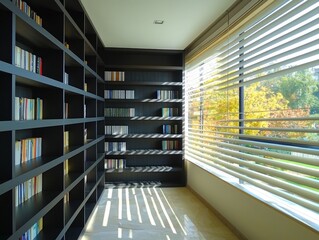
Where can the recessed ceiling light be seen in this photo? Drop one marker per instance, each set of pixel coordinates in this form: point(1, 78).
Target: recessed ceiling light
point(158, 21)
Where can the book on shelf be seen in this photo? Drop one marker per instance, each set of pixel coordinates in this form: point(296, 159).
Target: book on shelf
point(28, 109)
point(115, 146)
point(115, 163)
point(66, 110)
point(85, 135)
point(167, 94)
point(169, 112)
point(28, 189)
point(66, 78)
point(85, 87)
point(170, 129)
point(66, 166)
point(84, 110)
point(170, 145)
point(66, 139)
point(114, 76)
point(66, 198)
point(119, 94)
point(28, 61)
point(33, 231)
point(115, 130)
point(119, 112)
point(24, 7)
point(27, 149)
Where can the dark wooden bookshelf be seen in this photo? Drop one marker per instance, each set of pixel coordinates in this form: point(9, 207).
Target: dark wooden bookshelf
point(145, 162)
point(72, 176)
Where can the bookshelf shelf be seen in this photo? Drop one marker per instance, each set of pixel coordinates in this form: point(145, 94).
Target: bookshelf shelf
point(149, 82)
point(143, 117)
point(147, 136)
point(144, 152)
point(144, 67)
point(51, 69)
point(147, 100)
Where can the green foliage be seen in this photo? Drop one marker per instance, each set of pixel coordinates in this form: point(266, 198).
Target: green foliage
point(299, 88)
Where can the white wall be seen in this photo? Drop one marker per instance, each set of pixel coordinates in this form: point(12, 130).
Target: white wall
point(253, 218)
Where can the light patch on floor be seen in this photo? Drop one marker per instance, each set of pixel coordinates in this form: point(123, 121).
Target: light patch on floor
point(153, 214)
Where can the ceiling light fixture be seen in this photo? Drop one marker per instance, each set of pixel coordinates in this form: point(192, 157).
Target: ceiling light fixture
point(158, 21)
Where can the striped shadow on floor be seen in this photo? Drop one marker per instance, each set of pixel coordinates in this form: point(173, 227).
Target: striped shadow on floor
point(153, 213)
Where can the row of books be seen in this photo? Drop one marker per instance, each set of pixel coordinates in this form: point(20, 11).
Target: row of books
point(33, 231)
point(115, 163)
point(115, 146)
point(29, 188)
point(169, 112)
point(167, 94)
point(119, 94)
point(28, 109)
point(28, 61)
point(119, 112)
point(24, 7)
point(114, 76)
point(170, 145)
point(170, 129)
point(115, 130)
point(27, 149)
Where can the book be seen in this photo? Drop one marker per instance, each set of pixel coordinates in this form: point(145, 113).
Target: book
point(169, 112)
point(28, 189)
point(66, 78)
point(85, 135)
point(24, 7)
point(66, 139)
point(66, 166)
point(170, 145)
point(28, 109)
point(34, 231)
point(119, 94)
point(27, 149)
point(167, 94)
point(116, 130)
point(28, 61)
point(119, 112)
point(66, 110)
point(170, 129)
point(115, 163)
point(114, 76)
point(115, 146)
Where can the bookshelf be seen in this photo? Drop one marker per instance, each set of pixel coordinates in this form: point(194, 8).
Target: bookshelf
point(143, 117)
point(52, 119)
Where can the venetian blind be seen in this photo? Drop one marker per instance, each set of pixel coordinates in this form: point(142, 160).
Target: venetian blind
point(240, 118)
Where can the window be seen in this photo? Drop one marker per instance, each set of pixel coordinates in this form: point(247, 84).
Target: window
point(252, 108)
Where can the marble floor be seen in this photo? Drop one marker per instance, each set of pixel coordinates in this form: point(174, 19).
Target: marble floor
point(153, 214)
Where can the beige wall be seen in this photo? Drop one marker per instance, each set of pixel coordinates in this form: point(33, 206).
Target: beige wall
point(254, 219)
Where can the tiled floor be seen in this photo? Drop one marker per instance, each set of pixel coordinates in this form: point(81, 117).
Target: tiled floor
point(153, 214)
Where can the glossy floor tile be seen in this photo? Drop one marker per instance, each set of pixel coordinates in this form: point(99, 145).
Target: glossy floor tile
point(153, 214)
